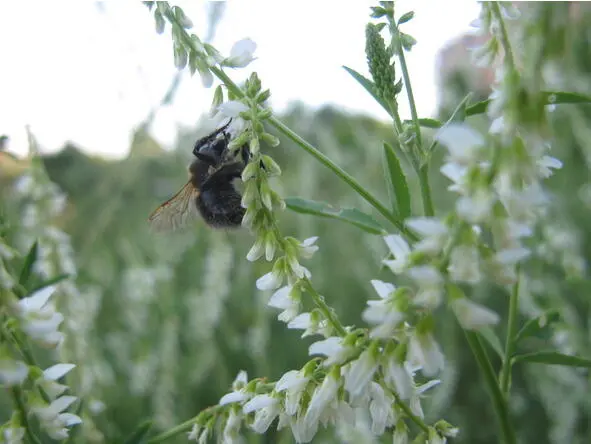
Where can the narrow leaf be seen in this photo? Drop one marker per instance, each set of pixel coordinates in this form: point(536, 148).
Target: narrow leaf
point(397, 180)
point(369, 87)
point(492, 339)
point(537, 325)
point(430, 123)
point(553, 358)
point(349, 215)
point(550, 98)
point(138, 436)
point(28, 264)
point(49, 282)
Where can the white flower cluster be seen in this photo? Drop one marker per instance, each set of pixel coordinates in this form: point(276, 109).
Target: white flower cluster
point(200, 56)
point(37, 318)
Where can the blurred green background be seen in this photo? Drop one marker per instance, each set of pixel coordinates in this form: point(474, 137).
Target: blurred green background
point(161, 324)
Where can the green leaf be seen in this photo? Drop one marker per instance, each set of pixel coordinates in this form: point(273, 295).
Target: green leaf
point(406, 17)
point(49, 282)
point(553, 358)
point(550, 98)
point(537, 325)
point(407, 41)
point(429, 123)
point(349, 215)
point(490, 336)
point(397, 183)
point(28, 265)
point(139, 435)
point(369, 87)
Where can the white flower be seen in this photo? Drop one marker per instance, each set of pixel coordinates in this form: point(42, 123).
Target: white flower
point(434, 232)
point(13, 435)
point(399, 377)
point(334, 350)
point(50, 376)
point(383, 313)
point(303, 430)
point(256, 251)
point(39, 319)
point(380, 409)
point(400, 433)
point(361, 371)
point(424, 351)
point(463, 142)
point(457, 175)
point(464, 264)
point(308, 247)
point(338, 413)
point(241, 54)
point(53, 421)
point(232, 108)
point(286, 299)
point(415, 399)
point(430, 285)
point(473, 316)
point(311, 323)
point(293, 383)
point(231, 431)
point(272, 280)
point(400, 250)
point(194, 433)
point(322, 397)
point(546, 164)
point(477, 207)
point(12, 372)
point(266, 407)
point(238, 393)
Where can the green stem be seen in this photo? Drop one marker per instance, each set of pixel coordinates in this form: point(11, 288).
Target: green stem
point(20, 406)
point(505, 379)
point(185, 426)
point(499, 403)
point(408, 412)
point(496, 9)
point(325, 309)
point(407, 84)
point(324, 160)
point(428, 208)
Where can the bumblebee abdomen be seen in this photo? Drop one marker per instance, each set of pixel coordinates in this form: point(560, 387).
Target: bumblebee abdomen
point(221, 208)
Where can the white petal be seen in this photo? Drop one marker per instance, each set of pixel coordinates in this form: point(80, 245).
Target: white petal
point(69, 419)
point(232, 108)
point(511, 256)
point(62, 403)
point(281, 299)
point(426, 226)
point(259, 402)
point(38, 299)
point(300, 322)
point(231, 397)
point(243, 47)
point(326, 347)
point(461, 141)
point(397, 245)
point(473, 316)
point(57, 371)
point(13, 372)
point(269, 281)
point(383, 289)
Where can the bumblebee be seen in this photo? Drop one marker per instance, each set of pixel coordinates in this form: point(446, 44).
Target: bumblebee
point(210, 191)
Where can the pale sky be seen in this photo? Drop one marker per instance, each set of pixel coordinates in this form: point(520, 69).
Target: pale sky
point(90, 72)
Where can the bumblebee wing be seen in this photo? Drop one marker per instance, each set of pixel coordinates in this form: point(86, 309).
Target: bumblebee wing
point(177, 211)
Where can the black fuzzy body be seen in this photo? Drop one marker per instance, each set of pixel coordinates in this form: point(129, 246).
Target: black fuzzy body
point(212, 173)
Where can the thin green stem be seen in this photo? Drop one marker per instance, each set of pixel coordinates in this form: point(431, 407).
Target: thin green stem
point(183, 427)
point(505, 379)
point(407, 84)
point(509, 59)
point(499, 403)
point(408, 412)
point(20, 406)
point(428, 207)
point(325, 309)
